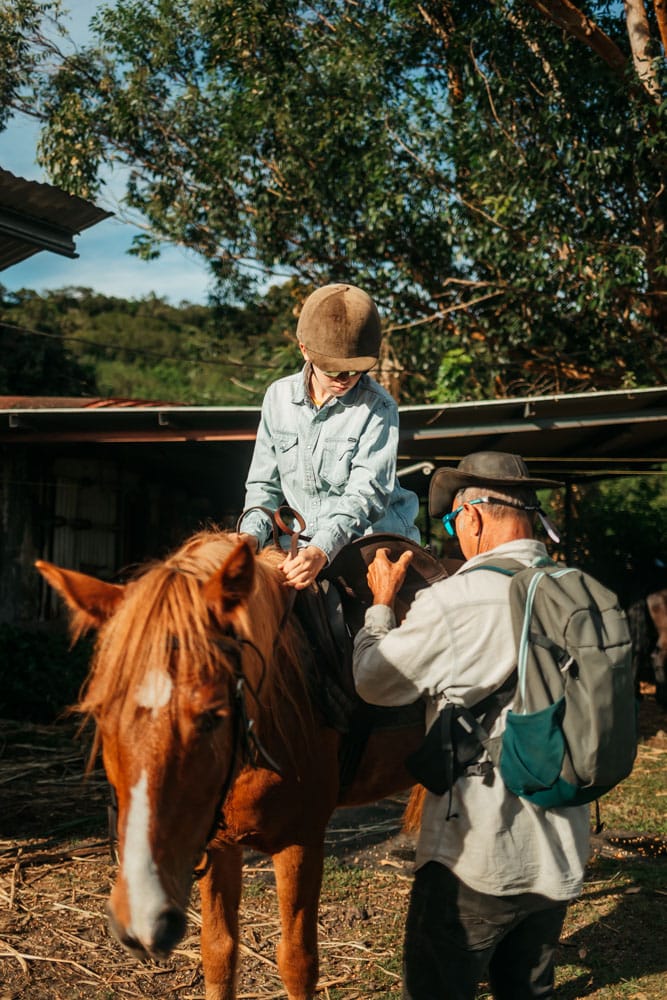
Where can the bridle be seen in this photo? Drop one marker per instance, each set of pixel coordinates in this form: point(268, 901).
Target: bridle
point(247, 747)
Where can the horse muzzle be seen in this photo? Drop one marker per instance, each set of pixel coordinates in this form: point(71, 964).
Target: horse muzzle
point(166, 931)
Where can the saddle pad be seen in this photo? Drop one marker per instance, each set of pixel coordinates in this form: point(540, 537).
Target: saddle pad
point(349, 568)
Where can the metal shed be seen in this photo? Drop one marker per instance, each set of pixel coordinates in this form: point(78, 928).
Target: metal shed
point(98, 484)
point(36, 216)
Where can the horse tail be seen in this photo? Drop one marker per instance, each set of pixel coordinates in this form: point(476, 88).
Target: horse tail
point(412, 817)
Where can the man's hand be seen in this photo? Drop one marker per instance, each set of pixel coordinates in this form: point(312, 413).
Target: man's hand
point(385, 578)
point(300, 570)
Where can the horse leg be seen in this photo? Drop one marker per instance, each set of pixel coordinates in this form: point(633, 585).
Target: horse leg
point(220, 891)
point(298, 882)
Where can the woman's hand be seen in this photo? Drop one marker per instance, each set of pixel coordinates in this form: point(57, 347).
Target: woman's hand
point(301, 570)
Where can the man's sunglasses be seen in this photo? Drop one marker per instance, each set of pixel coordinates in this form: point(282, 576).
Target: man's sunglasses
point(448, 519)
point(343, 375)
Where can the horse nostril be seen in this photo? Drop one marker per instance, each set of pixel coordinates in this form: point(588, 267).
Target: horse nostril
point(121, 935)
point(169, 930)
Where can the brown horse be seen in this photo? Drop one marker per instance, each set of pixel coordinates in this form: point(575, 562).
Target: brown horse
point(208, 737)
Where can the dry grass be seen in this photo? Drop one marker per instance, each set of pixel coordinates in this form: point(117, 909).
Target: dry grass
point(56, 874)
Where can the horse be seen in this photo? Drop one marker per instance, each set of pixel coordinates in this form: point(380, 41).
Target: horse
point(211, 742)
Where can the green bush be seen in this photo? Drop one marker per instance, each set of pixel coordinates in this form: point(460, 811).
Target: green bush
point(42, 675)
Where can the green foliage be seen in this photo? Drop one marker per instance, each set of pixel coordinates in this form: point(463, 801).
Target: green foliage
point(76, 342)
point(492, 180)
point(24, 48)
point(43, 674)
point(340, 881)
point(40, 363)
point(619, 532)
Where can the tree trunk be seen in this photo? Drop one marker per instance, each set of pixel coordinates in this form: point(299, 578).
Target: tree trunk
point(639, 34)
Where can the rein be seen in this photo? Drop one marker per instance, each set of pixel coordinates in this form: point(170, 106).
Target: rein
point(279, 524)
point(278, 519)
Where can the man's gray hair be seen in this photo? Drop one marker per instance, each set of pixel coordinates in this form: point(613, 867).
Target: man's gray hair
point(519, 497)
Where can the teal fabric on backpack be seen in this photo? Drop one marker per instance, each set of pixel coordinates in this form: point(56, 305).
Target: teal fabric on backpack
point(571, 733)
point(533, 749)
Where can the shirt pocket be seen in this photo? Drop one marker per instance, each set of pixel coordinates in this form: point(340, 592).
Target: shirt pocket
point(336, 462)
point(286, 452)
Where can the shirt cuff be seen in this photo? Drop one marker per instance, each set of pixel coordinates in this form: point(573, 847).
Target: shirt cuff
point(256, 524)
point(380, 617)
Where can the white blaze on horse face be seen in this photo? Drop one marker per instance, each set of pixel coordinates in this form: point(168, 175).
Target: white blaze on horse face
point(146, 896)
point(154, 691)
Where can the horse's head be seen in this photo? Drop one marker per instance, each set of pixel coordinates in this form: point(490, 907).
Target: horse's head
point(162, 687)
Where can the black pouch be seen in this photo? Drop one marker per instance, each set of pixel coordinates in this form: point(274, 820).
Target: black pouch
point(452, 746)
point(456, 740)
point(432, 764)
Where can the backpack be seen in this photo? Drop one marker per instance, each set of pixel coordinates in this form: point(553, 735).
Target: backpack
point(571, 733)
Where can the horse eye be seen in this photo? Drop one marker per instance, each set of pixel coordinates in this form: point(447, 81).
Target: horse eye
point(208, 721)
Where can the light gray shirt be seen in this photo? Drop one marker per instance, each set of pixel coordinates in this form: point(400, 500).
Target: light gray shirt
point(335, 464)
point(457, 641)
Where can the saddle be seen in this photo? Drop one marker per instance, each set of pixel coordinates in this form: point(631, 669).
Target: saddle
point(332, 612)
point(348, 572)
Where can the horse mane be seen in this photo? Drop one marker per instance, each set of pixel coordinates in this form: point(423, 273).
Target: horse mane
point(164, 623)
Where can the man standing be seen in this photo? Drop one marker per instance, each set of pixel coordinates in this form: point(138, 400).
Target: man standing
point(494, 872)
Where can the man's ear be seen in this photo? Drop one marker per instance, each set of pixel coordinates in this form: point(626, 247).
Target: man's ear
point(474, 523)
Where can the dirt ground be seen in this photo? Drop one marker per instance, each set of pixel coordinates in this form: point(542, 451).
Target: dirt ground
point(56, 873)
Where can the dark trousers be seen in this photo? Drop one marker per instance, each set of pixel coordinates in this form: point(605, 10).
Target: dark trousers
point(455, 936)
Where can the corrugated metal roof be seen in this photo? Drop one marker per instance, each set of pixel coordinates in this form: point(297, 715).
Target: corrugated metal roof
point(567, 436)
point(36, 216)
point(76, 403)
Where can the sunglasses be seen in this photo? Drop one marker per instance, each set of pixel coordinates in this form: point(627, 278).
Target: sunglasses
point(343, 375)
point(448, 519)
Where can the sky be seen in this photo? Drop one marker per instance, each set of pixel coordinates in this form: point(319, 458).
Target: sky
point(103, 263)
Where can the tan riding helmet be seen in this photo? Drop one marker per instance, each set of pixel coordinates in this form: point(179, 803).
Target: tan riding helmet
point(339, 326)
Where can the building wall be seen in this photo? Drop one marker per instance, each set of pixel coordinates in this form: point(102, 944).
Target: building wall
point(102, 509)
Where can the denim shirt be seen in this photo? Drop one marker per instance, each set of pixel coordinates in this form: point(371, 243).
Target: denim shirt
point(334, 464)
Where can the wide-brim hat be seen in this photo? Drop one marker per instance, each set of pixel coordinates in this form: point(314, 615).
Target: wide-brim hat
point(492, 469)
point(340, 327)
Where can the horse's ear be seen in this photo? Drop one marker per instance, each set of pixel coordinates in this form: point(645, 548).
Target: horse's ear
point(232, 583)
point(91, 600)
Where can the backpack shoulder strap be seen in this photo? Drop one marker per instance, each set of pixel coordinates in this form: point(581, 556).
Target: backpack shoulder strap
point(509, 567)
point(481, 717)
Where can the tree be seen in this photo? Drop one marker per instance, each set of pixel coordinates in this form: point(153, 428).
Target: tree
point(76, 342)
point(25, 48)
point(490, 170)
point(42, 364)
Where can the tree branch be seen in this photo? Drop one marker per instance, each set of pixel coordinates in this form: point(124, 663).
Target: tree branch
point(567, 16)
point(640, 42)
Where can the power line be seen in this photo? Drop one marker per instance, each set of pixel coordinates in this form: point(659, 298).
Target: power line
point(138, 350)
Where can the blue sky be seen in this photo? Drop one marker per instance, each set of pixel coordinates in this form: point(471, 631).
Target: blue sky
point(103, 263)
